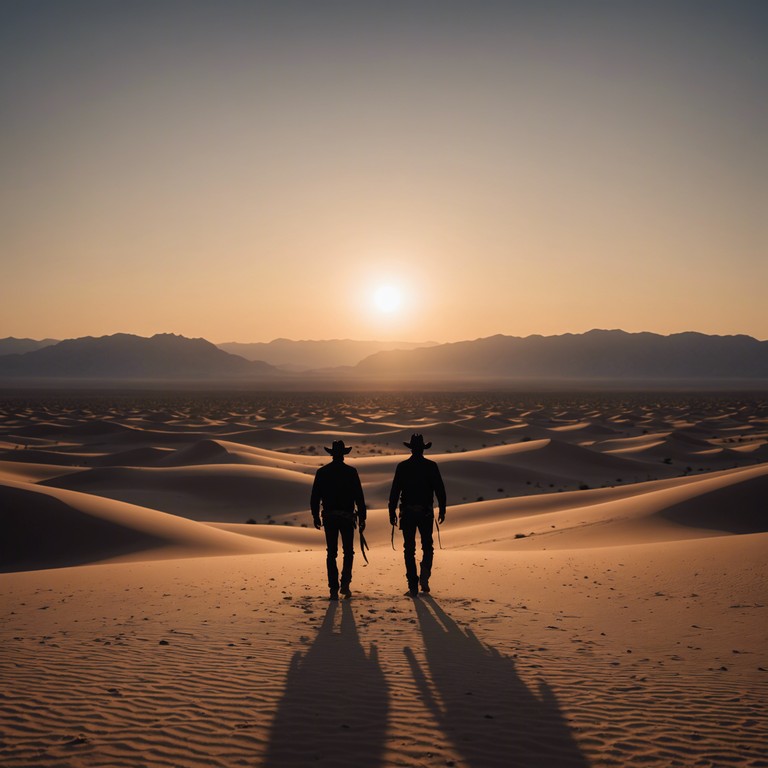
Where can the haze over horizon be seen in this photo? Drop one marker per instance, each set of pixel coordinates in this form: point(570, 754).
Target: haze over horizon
point(436, 342)
point(442, 171)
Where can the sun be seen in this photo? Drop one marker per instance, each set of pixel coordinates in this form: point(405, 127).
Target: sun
point(387, 298)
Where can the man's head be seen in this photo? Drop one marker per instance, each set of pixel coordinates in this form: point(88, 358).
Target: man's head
point(417, 444)
point(338, 450)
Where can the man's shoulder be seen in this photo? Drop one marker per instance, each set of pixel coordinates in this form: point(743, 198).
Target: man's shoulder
point(417, 463)
point(333, 467)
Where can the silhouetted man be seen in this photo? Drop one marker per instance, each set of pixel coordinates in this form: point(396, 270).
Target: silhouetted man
point(416, 483)
point(337, 486)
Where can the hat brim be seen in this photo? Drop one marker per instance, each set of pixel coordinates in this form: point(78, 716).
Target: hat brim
point(425, 446)
point(331, 451)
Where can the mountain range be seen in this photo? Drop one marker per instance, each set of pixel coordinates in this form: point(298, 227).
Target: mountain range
point(13, 346)
point(596, 356)
point(125, 356)
point(305, 355)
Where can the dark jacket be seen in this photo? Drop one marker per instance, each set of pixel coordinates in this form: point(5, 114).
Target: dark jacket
point(337, 486)
point(415, 483)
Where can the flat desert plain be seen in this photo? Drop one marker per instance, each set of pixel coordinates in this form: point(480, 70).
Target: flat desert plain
point(599, 598)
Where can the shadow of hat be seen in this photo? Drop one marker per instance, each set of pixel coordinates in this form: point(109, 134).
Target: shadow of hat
point(338, 448)
point(417, 443)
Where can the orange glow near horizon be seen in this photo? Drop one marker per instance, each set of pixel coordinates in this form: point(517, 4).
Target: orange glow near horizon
point(227, 173)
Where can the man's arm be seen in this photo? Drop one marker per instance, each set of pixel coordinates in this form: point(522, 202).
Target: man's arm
point(394, 496)
point(439, 488)
point(314, 501)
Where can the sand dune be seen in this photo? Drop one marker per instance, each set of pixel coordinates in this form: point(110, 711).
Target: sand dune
point(616, 624)
point(208, 493)
point(226, 452)
point(51, 528)
point(731, 503)
point(30, 472)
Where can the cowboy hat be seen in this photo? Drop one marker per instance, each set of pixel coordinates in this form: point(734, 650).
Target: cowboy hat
point(338, 448)
point(417, 443)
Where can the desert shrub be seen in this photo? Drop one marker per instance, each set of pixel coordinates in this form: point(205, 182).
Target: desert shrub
point(250, 521)
point(583, 487)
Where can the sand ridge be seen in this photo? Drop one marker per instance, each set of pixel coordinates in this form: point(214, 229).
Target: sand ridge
point(600, 599)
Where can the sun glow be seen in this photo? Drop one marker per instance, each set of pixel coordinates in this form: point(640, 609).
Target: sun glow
point(387, 298)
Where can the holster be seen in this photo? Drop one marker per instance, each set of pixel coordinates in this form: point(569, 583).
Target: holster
point(341, 514)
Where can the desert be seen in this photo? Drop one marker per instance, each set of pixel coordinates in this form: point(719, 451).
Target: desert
point(505, 262)
point(599, 597)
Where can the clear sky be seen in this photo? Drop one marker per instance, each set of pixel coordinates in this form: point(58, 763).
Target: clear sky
point(396, 170)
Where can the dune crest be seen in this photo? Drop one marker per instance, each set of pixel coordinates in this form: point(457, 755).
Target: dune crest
point(599, 598)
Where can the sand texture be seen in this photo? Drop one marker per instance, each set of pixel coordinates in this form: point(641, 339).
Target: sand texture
point(600, 598)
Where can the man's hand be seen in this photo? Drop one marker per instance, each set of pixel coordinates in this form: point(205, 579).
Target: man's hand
point(441, 517)
point(361, 525)
point(392, 518)
point(316, 521)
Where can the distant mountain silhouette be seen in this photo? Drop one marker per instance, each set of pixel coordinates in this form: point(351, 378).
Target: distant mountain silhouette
point(598, 354)
point(306, 355)
point(13, 346)
point(125, 356)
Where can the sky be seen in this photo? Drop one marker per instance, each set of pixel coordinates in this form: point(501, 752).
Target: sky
point(440, 171)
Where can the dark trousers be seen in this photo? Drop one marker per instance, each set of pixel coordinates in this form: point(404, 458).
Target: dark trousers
point(334, 526)
point(409, 525)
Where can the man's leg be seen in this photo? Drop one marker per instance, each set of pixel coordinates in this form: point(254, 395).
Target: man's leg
point(408, 528)
point(347, 530)
point(427, 552)
point(332, 549)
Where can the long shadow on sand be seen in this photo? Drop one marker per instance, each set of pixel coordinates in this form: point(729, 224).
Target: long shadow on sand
point(334, 708)
point(481, 703)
